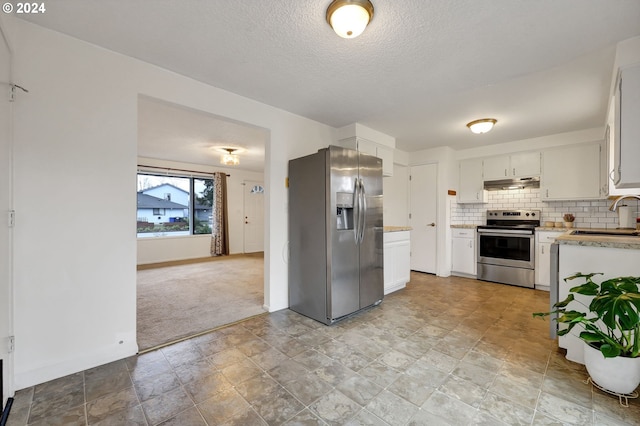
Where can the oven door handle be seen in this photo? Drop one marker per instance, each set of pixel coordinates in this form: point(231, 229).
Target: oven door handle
point(493, 232)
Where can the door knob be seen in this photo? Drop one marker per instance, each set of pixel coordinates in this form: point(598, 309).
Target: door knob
point(432, 224)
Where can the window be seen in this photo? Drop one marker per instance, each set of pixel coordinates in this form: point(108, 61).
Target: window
point(257, 189)
point(173, 205)
point(203, 211)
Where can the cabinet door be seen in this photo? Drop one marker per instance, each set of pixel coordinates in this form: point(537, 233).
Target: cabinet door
point(627, 129)
point(402, 272)
point(571, 172)
point(495, 168)
point(463, 255)
point(366, 147)
point(543, 264)
point(525, 164)
point(397, 260)
point(471, 188)
point(386, 154)
point(389, 259)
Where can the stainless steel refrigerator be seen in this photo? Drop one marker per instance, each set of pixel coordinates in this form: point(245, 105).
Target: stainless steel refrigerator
point(335, 233)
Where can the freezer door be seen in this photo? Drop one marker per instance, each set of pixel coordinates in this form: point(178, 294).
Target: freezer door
point(343, 289)
point(307, 236)
point(371, 247)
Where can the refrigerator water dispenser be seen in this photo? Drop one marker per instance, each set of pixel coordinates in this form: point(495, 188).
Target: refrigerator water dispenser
point(344, 211)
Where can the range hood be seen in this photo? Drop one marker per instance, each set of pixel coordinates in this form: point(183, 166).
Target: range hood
point(517, 183)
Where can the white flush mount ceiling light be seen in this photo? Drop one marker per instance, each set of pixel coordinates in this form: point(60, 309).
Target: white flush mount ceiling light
point(230, 159)
point(349, 18)
point(482, 126)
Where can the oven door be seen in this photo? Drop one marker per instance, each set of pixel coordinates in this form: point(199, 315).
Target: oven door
point(506, 247)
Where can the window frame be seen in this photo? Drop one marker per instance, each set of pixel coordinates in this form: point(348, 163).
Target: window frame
point(191, 204)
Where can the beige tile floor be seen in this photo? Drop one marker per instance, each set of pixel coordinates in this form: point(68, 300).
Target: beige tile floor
point(444, 351)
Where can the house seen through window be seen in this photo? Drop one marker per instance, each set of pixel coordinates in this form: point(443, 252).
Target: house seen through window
point(173, 205)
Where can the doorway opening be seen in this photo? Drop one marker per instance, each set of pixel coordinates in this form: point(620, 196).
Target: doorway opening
point(182, 290)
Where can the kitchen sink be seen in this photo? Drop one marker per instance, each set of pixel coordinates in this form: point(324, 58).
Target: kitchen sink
point(620, 233)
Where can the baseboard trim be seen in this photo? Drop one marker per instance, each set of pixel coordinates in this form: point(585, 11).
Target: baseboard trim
point(100, 356)
point(179, 262)
point(182, 339)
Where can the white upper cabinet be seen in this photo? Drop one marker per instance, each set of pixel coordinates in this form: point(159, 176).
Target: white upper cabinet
point(572, 172)
point(471, 187)
point(495, 168)
point(525, 164)
point(372, 148)
point(386, 154)
point(626, 151)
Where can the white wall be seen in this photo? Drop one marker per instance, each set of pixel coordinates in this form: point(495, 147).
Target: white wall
point(75, 147)
point(5, 231)
point(162, 249)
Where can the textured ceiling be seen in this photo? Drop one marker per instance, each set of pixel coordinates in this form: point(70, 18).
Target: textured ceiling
point(419, 72)
point(172, 132)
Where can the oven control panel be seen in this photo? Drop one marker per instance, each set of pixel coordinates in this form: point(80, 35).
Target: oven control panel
point(513, 214)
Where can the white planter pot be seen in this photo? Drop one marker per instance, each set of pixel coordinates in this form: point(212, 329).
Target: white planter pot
point(620, 375)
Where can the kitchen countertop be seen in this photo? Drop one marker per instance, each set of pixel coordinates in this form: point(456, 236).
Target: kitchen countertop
point(554, 229)
point(630, 242)
point(464, 226)
point(397, 228)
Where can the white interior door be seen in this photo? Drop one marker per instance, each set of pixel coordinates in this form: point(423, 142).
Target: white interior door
point(423, 217)
point(6, 303)
point(253, 216)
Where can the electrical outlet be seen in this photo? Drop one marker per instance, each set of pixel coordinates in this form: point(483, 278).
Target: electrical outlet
point(122, 338)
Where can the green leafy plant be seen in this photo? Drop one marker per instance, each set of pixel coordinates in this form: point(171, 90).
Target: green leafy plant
point(614, 324)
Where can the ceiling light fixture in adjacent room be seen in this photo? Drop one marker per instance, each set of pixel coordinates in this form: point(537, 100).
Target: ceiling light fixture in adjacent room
point(349, 18)
point(482, 126)
point(230, 159)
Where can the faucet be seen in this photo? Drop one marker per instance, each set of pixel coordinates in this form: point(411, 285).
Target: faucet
point(614, 206)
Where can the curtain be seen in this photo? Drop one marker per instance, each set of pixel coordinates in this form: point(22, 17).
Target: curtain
point(220, 231)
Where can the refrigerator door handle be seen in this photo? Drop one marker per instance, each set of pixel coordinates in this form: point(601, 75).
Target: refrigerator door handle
point(356, 208)
point(363, 196)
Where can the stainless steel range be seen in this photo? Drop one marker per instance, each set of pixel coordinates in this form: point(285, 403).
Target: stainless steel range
point(506, 247)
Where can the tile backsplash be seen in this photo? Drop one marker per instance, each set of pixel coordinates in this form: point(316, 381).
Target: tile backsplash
point(588, 213)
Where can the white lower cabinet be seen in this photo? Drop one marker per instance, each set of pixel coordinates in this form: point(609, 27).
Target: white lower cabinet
point(544, 239)
point(397, 269)
point(611, 262)
point(463, 256)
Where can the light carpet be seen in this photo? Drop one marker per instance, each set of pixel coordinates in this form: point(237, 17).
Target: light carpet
point(175, 302)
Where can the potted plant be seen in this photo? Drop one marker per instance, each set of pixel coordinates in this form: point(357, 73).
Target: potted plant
point(611, 328)
point(568, 220)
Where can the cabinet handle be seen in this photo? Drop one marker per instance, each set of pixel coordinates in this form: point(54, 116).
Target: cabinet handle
point(547, 193)
point(470, 244)
point(613, 177)
point(505, 172)
point(542, 248)
point(514, 171)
